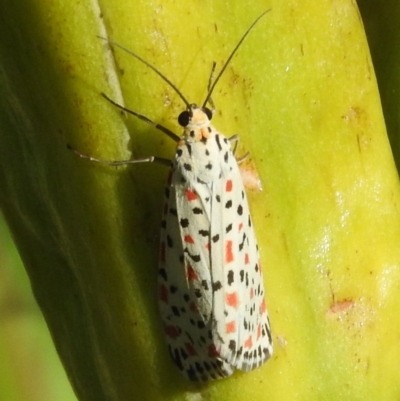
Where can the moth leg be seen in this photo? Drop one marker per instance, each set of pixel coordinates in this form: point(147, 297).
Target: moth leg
point(235, 139)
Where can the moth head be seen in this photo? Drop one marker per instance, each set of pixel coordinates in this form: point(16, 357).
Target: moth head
point(195, 115)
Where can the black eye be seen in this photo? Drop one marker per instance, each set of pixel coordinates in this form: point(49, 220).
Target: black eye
point(184, 118)
point(207, 112)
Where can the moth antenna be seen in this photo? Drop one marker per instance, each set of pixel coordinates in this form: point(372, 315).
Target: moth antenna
point(231, 55)
point(159, 73)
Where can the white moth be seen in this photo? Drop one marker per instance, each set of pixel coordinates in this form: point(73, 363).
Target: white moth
point(210, 283)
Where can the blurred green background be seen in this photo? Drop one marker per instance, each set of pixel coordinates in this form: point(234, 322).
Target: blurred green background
point(30, 369)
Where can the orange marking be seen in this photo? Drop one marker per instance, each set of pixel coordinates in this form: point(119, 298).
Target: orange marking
point(246, 259)
point(230, 327)
point(191, 195)
point(248, 343)
point(193, 307)
point(340, 306)
point(240, 227)
point(188, 239)
point(229, 186)
point(228, 252)
point(263, 307)
point(251, 293)
point(204, 133)
point(232, 300)
point(191, 274)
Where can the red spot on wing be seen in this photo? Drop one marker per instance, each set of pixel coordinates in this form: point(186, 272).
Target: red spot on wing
point(172, 332)
point(258, 331)
point(232, 300)
point(240, 227)
point(246, 259)
point(228, 252)
point(190, 195)
point(189, 239)
point(230, 327)
point(194, 307)
point(163, 293)
point(229, 186)
point(251, 292)
point(248, 343)
point(191, 274)
point(190, 349)
point(212, 351)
